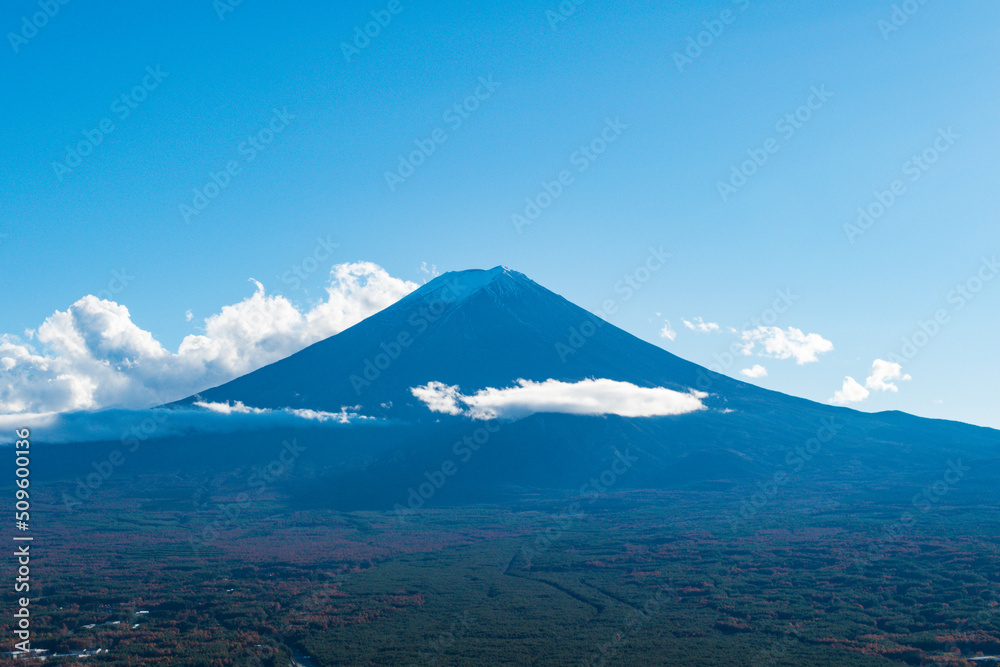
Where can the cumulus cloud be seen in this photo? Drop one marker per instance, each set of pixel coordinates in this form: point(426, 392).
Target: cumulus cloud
point(883, 372)
point(786, 343)
point(852, 392)
point(881, 379)
point(93, 356)
point(586, 397)
point(757, 371)
point(668, 331)
point(701, 325)
point(141, 425)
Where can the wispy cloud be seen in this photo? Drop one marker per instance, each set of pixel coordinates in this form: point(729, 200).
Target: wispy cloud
point(115, 425)
point(668, 331)
point(586, 397)
point(701, 325)
point(790, 343)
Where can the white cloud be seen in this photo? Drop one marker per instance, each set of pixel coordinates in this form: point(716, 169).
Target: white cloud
point(786, 343)
point(136, 426)
point(668, 331)
point(93, 356)
point(431, 271)
point(346, 415)
point(882, 374)
point(757, 371)
point(439, 397)
point(852, 392)
point(586, 397)
point(701, 325)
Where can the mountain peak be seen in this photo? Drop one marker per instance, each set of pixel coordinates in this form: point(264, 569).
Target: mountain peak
point(455, 286)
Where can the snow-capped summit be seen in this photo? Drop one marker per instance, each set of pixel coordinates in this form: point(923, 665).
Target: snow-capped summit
point(455, 286)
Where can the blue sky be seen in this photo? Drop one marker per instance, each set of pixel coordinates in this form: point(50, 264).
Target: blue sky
point(328, 127)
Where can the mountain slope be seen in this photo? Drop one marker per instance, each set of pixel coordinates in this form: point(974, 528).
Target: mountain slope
point(473, 329)
point(479, 329)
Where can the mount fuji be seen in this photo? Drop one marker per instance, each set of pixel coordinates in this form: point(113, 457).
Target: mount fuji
point(477, 337)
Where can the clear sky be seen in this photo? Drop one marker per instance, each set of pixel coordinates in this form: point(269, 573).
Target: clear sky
point(287, 118)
